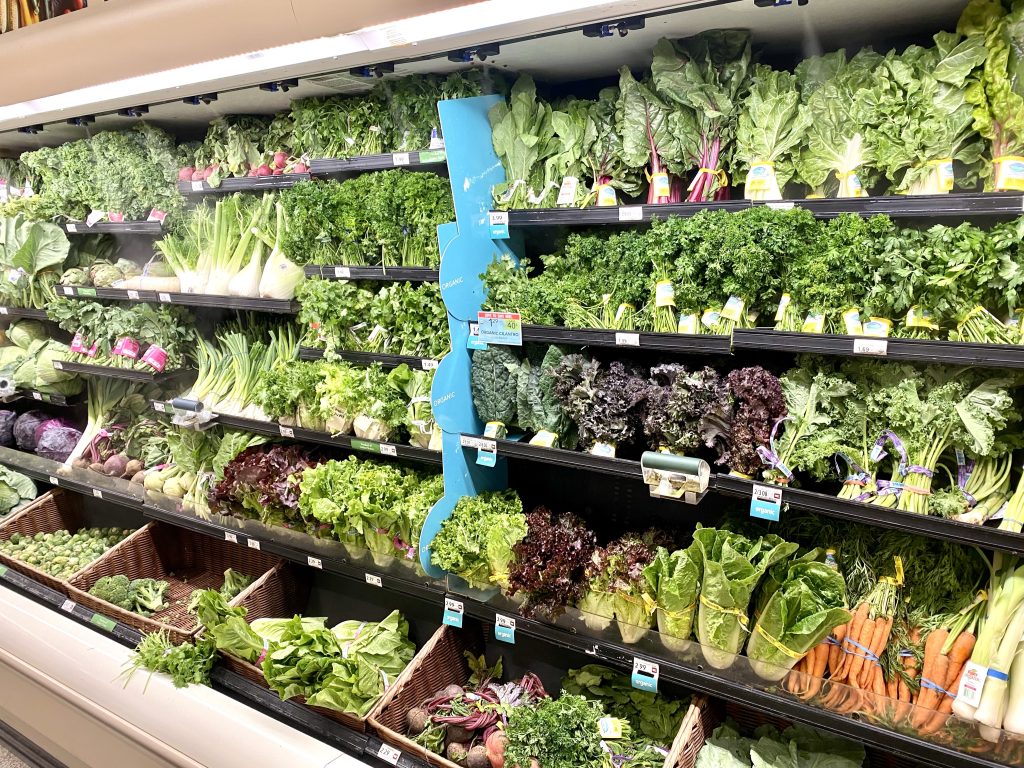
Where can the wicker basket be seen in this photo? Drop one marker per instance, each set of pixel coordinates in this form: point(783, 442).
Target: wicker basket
point(53, 511)
point(442, 662)
point(184, 559)
point(283, 594)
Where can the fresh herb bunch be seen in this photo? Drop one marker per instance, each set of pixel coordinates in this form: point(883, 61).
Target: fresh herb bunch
point(550, 562)
point(556, 733)
point(186, 664)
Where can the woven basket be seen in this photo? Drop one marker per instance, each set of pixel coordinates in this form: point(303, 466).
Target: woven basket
point(283, 594)
point(53, 511)
point(186, 560)
point(442, 662)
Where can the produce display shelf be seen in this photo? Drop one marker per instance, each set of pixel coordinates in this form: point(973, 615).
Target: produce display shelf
point(244, 184)
point(378, 749)
point(956, 206)
point(44, 397)
point(427, 158)
point(396, 450)
point(383, 274)
point(267, 539)
point(154, 228)
point(34, 314)
point(682, 343)
point(202, 300)
point(730, 485)
point(42, 594)
point(368, 358)
point(913, 350)
point(83, 481)
point(107, 371)
point(290, 713)
point(699, 678)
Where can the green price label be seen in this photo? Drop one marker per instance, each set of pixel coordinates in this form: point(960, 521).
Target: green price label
point(86, 291)
point(433, 156)
point(3, 570)
point(365, 445)
point(103, 622)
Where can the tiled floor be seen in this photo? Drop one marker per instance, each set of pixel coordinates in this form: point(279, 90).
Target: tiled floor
point(9, 760)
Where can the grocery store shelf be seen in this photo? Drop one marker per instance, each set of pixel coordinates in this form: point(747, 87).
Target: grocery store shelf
point(35, 314)
point(368, 358)
point(556, 456)
point(201, 300)
point(129, 374)
point(958, 206)
point(295, 546)
point(388, 274)
point(274, 429)
point(154, 228)
point(252, 184)
point(682, 343)
point(425, 159)
point(914, 350)
point(83, 481)
point(44, 397)
point(700, 678)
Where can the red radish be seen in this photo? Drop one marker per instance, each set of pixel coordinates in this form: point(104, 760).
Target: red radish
point(263, 170)
point(198, 176)
point(300, 168)
point(185, 174)
point(279, 172)
point(280, 159)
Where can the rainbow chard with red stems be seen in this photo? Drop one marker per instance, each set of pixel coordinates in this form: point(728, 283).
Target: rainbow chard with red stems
point(651, 136)
point(705, 77)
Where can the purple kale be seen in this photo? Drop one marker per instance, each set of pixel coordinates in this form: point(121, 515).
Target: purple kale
point(605, 403)
point(759, 403)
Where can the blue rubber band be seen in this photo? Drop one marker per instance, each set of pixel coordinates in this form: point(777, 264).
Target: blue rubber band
point(998, 675)
point(926, 683)
point(867, 651)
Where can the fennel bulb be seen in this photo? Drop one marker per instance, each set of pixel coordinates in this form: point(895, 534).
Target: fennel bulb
point(281, 275)
point(247, 282)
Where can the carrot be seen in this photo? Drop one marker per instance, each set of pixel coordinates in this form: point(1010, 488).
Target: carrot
point(819, 659)
point(835, 651)
point(863, 640)
point(853, 633)
point(883, 628)
point(928, 698)
point(945, 708)
point(959, 654)
point(892, 689)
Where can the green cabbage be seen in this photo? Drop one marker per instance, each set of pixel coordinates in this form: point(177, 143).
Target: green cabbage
point(24, 332)
point(15, 490)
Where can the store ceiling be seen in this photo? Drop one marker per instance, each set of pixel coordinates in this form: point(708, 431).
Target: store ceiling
point(783, 34)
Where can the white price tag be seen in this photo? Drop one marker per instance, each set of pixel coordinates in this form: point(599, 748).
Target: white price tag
point(497, 218)
point(158, 406)
point(53, 480)
point(253, 544)
point(627, 339)
point(389, 754)
point(69, 291)
point(164, 297)
point(37, 396)
point(343, 273)
point(314, 562)
point(56, 363)
point(428, 365)
point(374, 580)
point(645, 675)
point(466, 441)
point(631, 213)
point(68, 605)
point(388, 450)
point(97, 493)
point(567, 192)
point(400, 158)
point(876, 347)
point(71, 227)
point(197, 186)
point(287, 431)
point(133, 295)
point(3, 311)
point(229, 536)
point(785, 205)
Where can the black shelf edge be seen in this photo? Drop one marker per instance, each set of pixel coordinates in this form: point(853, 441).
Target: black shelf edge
point(376, 447)
point(869, 514)
point(382, 274)
point(368, 358)
point(243, 184)
point(202, 300)
point(405, 760)
point(682, 343)
point(44, 595)
point(297, 716)
point(35, 314)
point(558, 456)
point(44, 397)
point(912, 350)
point(426, 158)
point(110, 372)
point(898, 206)
point(699, 679)
point(154, 228)
point(352, 570)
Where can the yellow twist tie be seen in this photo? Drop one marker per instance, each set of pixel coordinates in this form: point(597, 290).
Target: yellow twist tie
point(775, 642)
point(679, 614)
point(741, 615)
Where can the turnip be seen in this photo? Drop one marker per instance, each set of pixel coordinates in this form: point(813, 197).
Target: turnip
point(452, 690)
point(133, 468)
point(263, 170)
point(457, 753)
point(477, 757)
point(417, 719)
point(115, 465)
point(456, 734)
point(139, 477)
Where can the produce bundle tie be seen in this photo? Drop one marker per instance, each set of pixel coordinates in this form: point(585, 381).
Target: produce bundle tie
point(774, 641)
point(832, 640)
point(964, 470)
point(263, 653)
point(926, 683)
point(868, 655)
point(512, 190)
point(769, 456)
point(906, 653)
point(718, 173)
point(859, 475)
point(995, 673)
point(679, 614)
point(741, 615)
point(346, 646)
point(888, 436)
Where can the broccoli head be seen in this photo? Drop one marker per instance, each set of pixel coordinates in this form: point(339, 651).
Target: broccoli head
point(148, 596)
point(234, 583)
point(115, 590)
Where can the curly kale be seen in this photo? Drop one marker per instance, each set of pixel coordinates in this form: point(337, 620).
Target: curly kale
point(685, 413)
point(550, 562)
point(604, 403)
point(759, 404)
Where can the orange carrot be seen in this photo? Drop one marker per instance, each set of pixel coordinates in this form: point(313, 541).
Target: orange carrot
point(959, 654)
point(929, 698)
point(858, 653)
point(853, 633)
point(819, 659)
point(883, 628)
point(945, 708)
point(835, 651)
